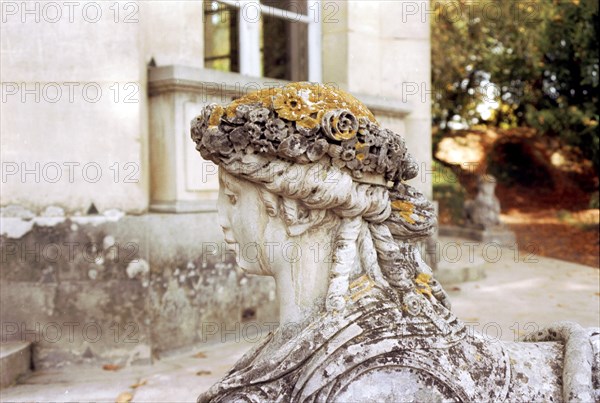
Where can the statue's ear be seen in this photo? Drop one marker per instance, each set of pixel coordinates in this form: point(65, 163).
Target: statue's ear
point(298, 218)
point(270, 201)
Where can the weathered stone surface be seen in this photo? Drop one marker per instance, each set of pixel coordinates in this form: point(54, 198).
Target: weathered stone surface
point(365, 321)
point(121, 289)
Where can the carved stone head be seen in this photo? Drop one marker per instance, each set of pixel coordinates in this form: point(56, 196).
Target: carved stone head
point(307, 163)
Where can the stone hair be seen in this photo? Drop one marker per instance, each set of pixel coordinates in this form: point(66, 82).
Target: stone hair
point(364, 211)
point(323, 154)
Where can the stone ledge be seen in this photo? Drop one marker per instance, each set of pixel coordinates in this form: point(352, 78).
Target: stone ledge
point(15, 361)
point(501, 236)
point(175, 78)
point(184, 206)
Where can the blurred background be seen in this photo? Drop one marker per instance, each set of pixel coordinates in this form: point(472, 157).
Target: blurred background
point(110, 247)
point(517, 98)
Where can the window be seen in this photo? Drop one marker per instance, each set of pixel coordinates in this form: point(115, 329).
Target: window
point(271, 38)
point(221, 37)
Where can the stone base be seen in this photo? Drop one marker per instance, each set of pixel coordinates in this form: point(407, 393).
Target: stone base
point(15, 362)
point(458, 262)
point(500, 235)
point(455, 274)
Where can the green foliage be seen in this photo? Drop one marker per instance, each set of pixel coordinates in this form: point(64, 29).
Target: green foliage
point(448, 191)
point(534, 62)
point(594, 200)
point(569, 107)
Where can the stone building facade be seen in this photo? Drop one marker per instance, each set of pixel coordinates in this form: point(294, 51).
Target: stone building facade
point(110, 246)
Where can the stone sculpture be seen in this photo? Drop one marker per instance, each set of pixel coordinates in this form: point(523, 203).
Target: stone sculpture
point(483, 212)
point(361, 316)
point(482, 217)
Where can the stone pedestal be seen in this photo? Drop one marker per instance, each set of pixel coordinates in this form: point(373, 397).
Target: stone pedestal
point(499, 235)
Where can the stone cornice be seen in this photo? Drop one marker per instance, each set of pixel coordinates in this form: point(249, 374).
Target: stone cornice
point(175, 78)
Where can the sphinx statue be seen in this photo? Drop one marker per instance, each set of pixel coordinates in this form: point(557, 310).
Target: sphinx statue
point(311, 180)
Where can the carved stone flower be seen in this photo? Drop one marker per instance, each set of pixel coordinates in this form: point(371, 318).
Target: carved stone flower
point(370, 139)
point(253, 131)
point(412, 303)
point(293, 146)
point(409, 167)
point(347, 154)
point(276, 130)
point(265, 146)
point(241, 111)
point(239, 139)
point(317, 149)
point(369, 163)
point(308, 126)
point(216, 142)
point(354, 164)
point(291, 105)
point(258, 115)
point(275, 125)
point(339, 124)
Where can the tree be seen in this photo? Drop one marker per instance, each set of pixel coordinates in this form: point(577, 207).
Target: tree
point(531, 62)
point(569, 106)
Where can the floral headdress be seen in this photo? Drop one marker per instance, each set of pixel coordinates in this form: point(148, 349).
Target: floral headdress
point(302, 123)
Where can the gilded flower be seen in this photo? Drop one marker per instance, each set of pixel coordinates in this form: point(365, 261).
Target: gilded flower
point(362, 150)
point(308, 126)
point(339, 124)
point(216, 113)
point(292, 105)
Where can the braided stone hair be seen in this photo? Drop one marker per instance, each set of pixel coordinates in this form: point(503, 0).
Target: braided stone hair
point(320, 149)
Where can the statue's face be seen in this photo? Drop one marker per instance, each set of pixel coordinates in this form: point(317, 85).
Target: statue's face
point(243, 218)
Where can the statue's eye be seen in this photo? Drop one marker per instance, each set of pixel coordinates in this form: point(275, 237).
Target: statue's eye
point(232, 198)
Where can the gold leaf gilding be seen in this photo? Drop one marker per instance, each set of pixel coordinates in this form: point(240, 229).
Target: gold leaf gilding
point(405, 209)
point(297, 101)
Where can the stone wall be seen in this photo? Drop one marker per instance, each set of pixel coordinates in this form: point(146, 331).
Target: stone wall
point(122, 289)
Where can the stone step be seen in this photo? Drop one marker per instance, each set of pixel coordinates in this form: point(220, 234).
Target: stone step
point(15, 361)
point(459, 261)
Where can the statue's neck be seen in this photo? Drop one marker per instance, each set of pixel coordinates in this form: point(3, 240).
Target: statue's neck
point(302, 285)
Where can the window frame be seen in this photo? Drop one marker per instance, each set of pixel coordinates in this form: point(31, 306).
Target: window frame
point(249, 34)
